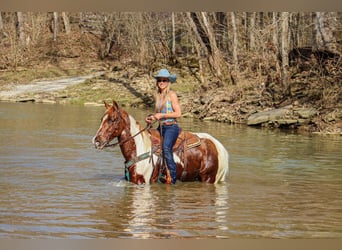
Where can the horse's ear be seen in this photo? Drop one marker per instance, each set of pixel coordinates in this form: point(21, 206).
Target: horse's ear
point(115, 105)
point(106, 104)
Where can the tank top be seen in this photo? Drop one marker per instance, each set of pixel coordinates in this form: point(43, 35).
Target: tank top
point(167, 108)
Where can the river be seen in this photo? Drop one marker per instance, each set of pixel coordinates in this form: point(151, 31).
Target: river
point(55, 184)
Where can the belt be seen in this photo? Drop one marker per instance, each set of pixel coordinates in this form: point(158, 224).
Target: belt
point(168, 123)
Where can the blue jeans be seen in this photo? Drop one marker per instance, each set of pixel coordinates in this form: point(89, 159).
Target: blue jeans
point(170, 134)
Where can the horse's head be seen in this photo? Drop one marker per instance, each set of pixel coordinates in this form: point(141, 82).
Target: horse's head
point(111, 126)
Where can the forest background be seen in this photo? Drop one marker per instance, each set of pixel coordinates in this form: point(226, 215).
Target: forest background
point(270, 69)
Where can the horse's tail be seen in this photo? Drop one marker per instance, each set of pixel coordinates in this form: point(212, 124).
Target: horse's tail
point(223, 169)
point(223, 158)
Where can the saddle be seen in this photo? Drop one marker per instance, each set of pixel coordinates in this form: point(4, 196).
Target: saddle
point(186, 140)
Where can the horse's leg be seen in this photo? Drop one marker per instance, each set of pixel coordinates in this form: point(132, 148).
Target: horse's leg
point(155, 172)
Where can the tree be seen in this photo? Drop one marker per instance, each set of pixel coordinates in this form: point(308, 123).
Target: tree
point(55, 25)
point(1, 23)
point(205, 35)
point(173, 35)
point(108, 35)
point(324, 27)
point(251, 30)
point(275, 40)
point(235, 45)
point(20, 28)
point(66, 22)
point(284, 48)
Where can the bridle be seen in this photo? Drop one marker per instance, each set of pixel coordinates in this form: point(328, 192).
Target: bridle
point(148, 126)
point(129, 138)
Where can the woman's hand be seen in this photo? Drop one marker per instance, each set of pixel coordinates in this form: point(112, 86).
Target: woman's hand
point(154, 117)
point(149, 119)
point(158, 116)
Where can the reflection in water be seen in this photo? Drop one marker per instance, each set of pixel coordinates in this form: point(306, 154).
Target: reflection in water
point(221, 208)
point(162, 211)
point(54, 184)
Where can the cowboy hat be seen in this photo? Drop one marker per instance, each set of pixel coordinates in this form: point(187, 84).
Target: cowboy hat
point(164, 73)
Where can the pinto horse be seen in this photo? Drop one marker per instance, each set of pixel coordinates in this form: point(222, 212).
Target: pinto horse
point(198, 156)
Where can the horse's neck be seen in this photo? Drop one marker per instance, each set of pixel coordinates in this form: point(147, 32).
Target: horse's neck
point(133, 146)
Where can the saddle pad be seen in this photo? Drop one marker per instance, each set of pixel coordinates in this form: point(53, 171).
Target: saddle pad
point(185, 138)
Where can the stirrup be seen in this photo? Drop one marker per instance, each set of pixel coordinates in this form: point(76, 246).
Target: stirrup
point(168, 177)
point(162, 178)
point(165, 178)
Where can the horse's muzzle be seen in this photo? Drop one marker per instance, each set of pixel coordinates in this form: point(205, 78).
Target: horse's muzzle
point(97, 143)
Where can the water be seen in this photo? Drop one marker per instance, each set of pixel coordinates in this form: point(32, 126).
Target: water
point(54, 184)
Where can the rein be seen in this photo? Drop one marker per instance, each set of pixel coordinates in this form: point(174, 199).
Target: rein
point(131, 137)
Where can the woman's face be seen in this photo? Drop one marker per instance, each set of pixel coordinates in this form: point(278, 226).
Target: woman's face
point(163, 83)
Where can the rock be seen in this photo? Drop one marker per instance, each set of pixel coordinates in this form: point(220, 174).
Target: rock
point(209, 118)
point(267, 116)
point(93, 104)
point(188, 115)
point(332, 116)
point(287, 121)
point(48, 101)
point(306, 113)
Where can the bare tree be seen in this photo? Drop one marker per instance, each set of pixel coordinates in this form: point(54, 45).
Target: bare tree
point(108, 35)
point(173, 35)
point(275, 35)
point(20, 28)
point(1, 23)
point(66, 22)
point(205, 35)
point(324, 26)
point(55, 25)
point(245, 34)
point(284, 47)
point(235, 45)
point(275, 40)
point(252, 31)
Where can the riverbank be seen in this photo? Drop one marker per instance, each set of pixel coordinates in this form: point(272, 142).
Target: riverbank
point(249, 104)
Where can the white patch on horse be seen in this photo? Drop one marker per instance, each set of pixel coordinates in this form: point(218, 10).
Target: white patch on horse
point(178, 160)
point(142, 145)
point(104, 118)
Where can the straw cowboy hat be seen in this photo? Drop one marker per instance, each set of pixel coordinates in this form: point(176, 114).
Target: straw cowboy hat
point(164, 73)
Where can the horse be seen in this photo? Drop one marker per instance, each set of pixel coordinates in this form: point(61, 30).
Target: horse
point(198, 156)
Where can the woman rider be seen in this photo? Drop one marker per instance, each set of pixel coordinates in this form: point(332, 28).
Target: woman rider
point(167, 110)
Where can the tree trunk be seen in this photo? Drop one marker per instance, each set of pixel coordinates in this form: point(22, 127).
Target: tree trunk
point(215, 54)
point(221, 30)
point(284, 48)
point(200, 50)
point(235, 48)
point(275, 39)
point(261, 20)
point(66, 22)
point(81, 22)
point(295, 28)
point(173, 35)
point(275, 29)
point(323, 31)
point(251, 31)
point(205, 35)
point(55, 25)
point(246, 30)
point(108, 36)
point(20, 28)
point(1, 23)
